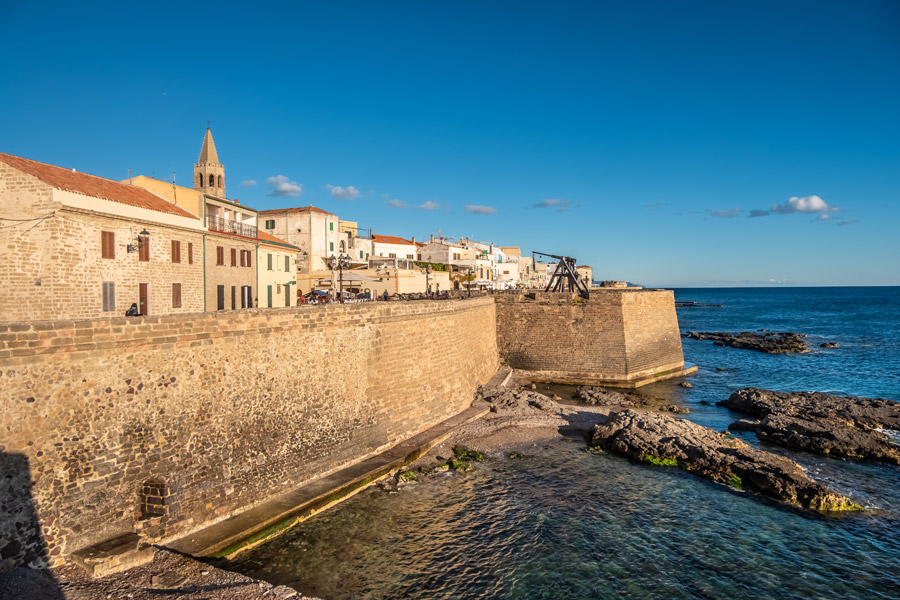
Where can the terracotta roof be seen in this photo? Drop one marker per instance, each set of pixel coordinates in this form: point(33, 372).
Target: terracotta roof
point(91, 185)
point(299, 209)
point(265, 237)
point(390, 239)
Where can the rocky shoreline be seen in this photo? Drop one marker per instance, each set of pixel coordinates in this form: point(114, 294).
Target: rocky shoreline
point(839, 426)
point(637, 426)
point(668, 441)
point(770, 342)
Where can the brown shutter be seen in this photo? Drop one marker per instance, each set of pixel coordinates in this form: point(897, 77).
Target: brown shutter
point(220, 255)
point(190, 253)
point(108, 243)
point(249, 258)
point(176, 251)
point(144, 253)
point(233, 257)
point(176, 295)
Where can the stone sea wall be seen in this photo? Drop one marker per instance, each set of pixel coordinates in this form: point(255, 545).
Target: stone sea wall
point(162, 424)
point(618, 335)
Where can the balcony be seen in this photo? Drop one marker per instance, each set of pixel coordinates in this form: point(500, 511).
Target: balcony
point(235, 227)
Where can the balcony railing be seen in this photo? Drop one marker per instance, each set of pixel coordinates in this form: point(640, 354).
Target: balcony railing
point(226, 226)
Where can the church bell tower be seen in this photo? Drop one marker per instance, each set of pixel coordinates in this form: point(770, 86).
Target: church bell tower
point(209, 173)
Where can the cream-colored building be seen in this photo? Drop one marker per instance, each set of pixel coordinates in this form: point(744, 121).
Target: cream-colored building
point(391, 246)
point(276, 272)
point(586, 273)
point(75, 245)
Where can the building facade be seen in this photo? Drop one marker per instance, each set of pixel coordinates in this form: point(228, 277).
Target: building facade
point(276, 272)
point(82, 246)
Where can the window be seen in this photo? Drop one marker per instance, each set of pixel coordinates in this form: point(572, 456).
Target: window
point(392, 255)
point(506, 272)
point(287, 264)
point(176, 295)
point(367, 255)
point(360, 254)
point(331, 246)
point(200, 179)
point(144, 249)
point(212, 181)
point(234, 258)
point(108, 244)
point(245, 258)
point(270, 224)
point(331, 226)
point(456, 256)
point(220, 181)
point(109, 296)
point(411, 256)
point(233, 305)
point(190, 253)
point(220, 255)
point(270, 260)
point(176, 251)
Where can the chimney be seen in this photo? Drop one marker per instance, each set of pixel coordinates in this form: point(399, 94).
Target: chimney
point(236, 201)
point(432, 238)
point(414, 240)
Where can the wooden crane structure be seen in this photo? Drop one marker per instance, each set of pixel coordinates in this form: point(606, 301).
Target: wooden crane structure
point(565, 278)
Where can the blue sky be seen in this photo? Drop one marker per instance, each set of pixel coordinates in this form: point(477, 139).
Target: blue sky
point(635, 136)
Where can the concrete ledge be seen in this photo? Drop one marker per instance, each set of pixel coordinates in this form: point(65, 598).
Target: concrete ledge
point(114, 556)
point(589, 379)
point(247, 529)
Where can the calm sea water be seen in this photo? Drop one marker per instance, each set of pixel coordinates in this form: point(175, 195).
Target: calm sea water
point(563, 523)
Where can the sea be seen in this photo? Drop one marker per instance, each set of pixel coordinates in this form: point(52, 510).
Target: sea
point(565, 523)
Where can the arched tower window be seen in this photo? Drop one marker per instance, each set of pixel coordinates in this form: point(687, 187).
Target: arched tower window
point(220, 181)
point(200, 179)
point(212, 181)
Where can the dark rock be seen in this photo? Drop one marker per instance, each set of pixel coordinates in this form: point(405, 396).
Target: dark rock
point(686, 384)
point(767, 341)
point(603, 397)
point(843, 426)
point(664, 440)
point(744, 425)
point(828, 345)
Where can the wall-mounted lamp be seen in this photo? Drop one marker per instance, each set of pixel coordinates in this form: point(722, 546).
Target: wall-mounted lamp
point(139, 241)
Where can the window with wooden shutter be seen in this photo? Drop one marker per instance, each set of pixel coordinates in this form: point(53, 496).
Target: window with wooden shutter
point(249, 260)
point(176, 251)
point(144, 252)
point(270, 261)
point(108, 244)
point(109, 296)
point(176, 295)
point(190, 253)
point(234, 258)
point(287, 264)
point(220, 255)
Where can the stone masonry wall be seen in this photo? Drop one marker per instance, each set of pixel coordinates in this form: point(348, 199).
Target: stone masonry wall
point(163, 424)
point(615, 336)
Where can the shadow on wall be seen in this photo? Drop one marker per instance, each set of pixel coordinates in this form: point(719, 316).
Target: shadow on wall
point(23, 551)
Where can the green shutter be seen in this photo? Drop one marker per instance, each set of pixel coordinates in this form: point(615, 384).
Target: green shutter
point(270, 261)
point(331, 246)
point(331, 226)
point(270, 296)
point(360, 253)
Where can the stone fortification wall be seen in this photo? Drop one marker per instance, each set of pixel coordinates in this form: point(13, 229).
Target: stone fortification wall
point(616, 336)
point(161, 424)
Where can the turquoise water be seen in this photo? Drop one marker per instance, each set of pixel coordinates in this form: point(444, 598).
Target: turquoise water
point(564, 523)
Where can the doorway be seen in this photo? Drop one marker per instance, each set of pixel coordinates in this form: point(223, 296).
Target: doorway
point(143, 300)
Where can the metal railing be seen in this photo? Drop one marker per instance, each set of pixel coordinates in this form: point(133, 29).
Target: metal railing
point(235, 227)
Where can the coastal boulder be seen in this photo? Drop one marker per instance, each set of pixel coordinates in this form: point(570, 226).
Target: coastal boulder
point(770, 342)
point(665, 440)
point(841, 426)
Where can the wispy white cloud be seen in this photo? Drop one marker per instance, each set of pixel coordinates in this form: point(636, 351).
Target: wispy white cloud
point(394, 203)
point(430, 205)
point(248, 183)
point(283, 186)
point(848, 222)
point(480, 209)
point(342, 193)
point(805, 204)
point(824, 218)
point(558, 204)
point(726, 214)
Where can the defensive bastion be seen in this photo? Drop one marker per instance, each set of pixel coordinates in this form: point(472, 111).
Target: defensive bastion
point(163, 425)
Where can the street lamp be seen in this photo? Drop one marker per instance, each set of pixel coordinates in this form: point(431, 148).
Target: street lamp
point(339, 263)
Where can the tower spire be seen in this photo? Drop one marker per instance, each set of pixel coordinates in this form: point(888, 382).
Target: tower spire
point(209, 173)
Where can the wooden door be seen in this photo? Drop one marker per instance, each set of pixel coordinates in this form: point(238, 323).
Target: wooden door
point(220, 297)
point(144, 300)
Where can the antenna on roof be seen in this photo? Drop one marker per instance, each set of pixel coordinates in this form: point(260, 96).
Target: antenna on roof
point(208, 123)
point(174, 189)
point(129, 176)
